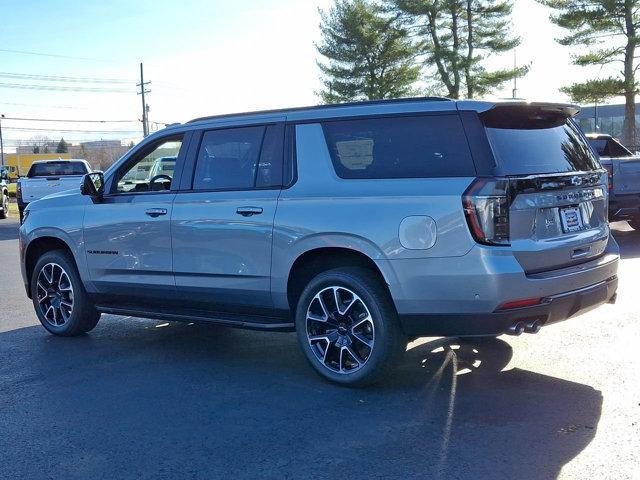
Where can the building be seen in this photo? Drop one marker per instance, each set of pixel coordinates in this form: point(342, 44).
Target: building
point(608, 118)
point(18, 164)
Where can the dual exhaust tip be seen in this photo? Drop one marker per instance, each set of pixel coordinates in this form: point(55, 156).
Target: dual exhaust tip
point(519, 328)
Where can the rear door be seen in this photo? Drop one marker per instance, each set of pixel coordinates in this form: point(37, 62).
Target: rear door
point(557, 188)
point(222, 223)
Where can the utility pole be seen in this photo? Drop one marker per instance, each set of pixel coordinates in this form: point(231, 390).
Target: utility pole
point(514, 93)
point(1, 144)
point(143, 90)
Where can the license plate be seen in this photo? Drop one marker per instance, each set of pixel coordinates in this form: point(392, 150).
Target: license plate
point(571, 219)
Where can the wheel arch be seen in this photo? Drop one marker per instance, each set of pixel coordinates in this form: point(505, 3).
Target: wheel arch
point(316, 260)
point(40, 245)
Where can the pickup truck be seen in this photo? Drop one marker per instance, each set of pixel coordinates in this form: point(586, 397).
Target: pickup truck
point(47, 177)
point(624, 178)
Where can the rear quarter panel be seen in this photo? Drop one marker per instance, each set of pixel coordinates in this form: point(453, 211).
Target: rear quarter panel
point(323, 210)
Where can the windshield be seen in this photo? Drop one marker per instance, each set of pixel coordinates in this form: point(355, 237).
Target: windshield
point(529, 145)
point(57, 169)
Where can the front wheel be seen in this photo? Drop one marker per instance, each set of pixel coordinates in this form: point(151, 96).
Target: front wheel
point(348, 328)
point(59, 298)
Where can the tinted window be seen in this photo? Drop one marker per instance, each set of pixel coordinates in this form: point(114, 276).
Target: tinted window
point(609, 148)
point(239, 159)
point(600, 146)
point(527, 142)
point(57, 169)
point(399, 147)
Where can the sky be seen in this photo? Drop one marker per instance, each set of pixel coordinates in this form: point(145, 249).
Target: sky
point(203, 57)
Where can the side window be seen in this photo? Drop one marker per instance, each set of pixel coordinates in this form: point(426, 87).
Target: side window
point(399, 147)
point(239, 159)
point(152, 170)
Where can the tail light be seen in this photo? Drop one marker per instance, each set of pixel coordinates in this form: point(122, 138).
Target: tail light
point(609, 175)
point(19, 192)
point(486, 208)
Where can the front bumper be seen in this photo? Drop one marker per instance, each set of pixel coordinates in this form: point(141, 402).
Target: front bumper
point(553, 309)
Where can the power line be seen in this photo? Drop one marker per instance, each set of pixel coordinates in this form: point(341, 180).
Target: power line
point(57, 78)
point(54, 55)
point(43, 106)
point(69, 120)
point(24, 129)
point(62, 89)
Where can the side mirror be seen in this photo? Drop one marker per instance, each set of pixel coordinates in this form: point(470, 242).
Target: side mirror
point(93, 185)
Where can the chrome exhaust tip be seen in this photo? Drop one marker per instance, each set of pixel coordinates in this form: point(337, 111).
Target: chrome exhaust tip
point(532, 327)
point(516, 329)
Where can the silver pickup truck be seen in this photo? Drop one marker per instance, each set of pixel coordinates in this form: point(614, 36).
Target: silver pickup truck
point(624, 178)
point(46, 177)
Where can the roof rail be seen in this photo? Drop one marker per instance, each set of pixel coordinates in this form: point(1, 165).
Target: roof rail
point(331, 105)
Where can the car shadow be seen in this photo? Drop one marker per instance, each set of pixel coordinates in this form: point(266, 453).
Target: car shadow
point(143, 399)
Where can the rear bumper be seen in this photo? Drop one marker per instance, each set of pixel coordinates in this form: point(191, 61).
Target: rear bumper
point(463, 295)
point(553, 309)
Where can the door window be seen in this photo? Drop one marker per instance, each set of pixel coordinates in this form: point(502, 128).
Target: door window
point(239, 159)
point(152, 170)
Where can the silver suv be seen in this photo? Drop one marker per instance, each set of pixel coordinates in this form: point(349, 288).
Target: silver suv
point(359, 226)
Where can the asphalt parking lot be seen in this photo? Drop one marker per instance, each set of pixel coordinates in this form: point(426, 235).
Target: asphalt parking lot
point(147, 399)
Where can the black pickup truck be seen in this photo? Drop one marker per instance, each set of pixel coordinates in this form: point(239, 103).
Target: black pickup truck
point(624, 178)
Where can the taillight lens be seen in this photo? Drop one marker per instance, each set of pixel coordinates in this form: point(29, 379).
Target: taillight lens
point(609, 175)
point(486, 208)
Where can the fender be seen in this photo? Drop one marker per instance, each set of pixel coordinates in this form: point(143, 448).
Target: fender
point(287, 250)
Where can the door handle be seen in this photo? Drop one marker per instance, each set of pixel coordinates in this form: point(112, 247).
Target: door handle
point(156, 212)
point(249, 211)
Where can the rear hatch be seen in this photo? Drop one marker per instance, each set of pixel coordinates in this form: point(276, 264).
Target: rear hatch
point(555, 187)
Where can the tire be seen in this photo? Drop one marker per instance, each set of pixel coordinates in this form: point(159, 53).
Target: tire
point(4, 205)
point(357, 344)
point(56, 285)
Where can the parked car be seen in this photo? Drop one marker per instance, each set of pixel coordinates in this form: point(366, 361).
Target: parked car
point(359, 226)
point(4, 194)
point(46, 177)
point(623, 168)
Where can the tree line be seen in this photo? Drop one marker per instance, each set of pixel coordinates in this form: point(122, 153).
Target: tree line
point(377, 49)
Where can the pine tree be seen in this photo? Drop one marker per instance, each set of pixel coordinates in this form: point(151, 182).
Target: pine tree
point(368, 56)
point(608, 30)
point(62, 146)
point(455, 37)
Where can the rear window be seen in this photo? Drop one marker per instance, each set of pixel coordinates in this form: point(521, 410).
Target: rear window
point(531, 142)
point(399, 147)
point(608, 147)
point(56, 169)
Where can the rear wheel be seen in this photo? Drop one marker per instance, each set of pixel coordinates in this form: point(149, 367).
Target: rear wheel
point(59, 298)
point(348, 328)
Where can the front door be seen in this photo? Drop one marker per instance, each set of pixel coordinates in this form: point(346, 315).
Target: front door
point(128, 234)
point(222, 226)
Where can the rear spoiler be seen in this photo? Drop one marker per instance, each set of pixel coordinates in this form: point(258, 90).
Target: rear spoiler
point(566, 110)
